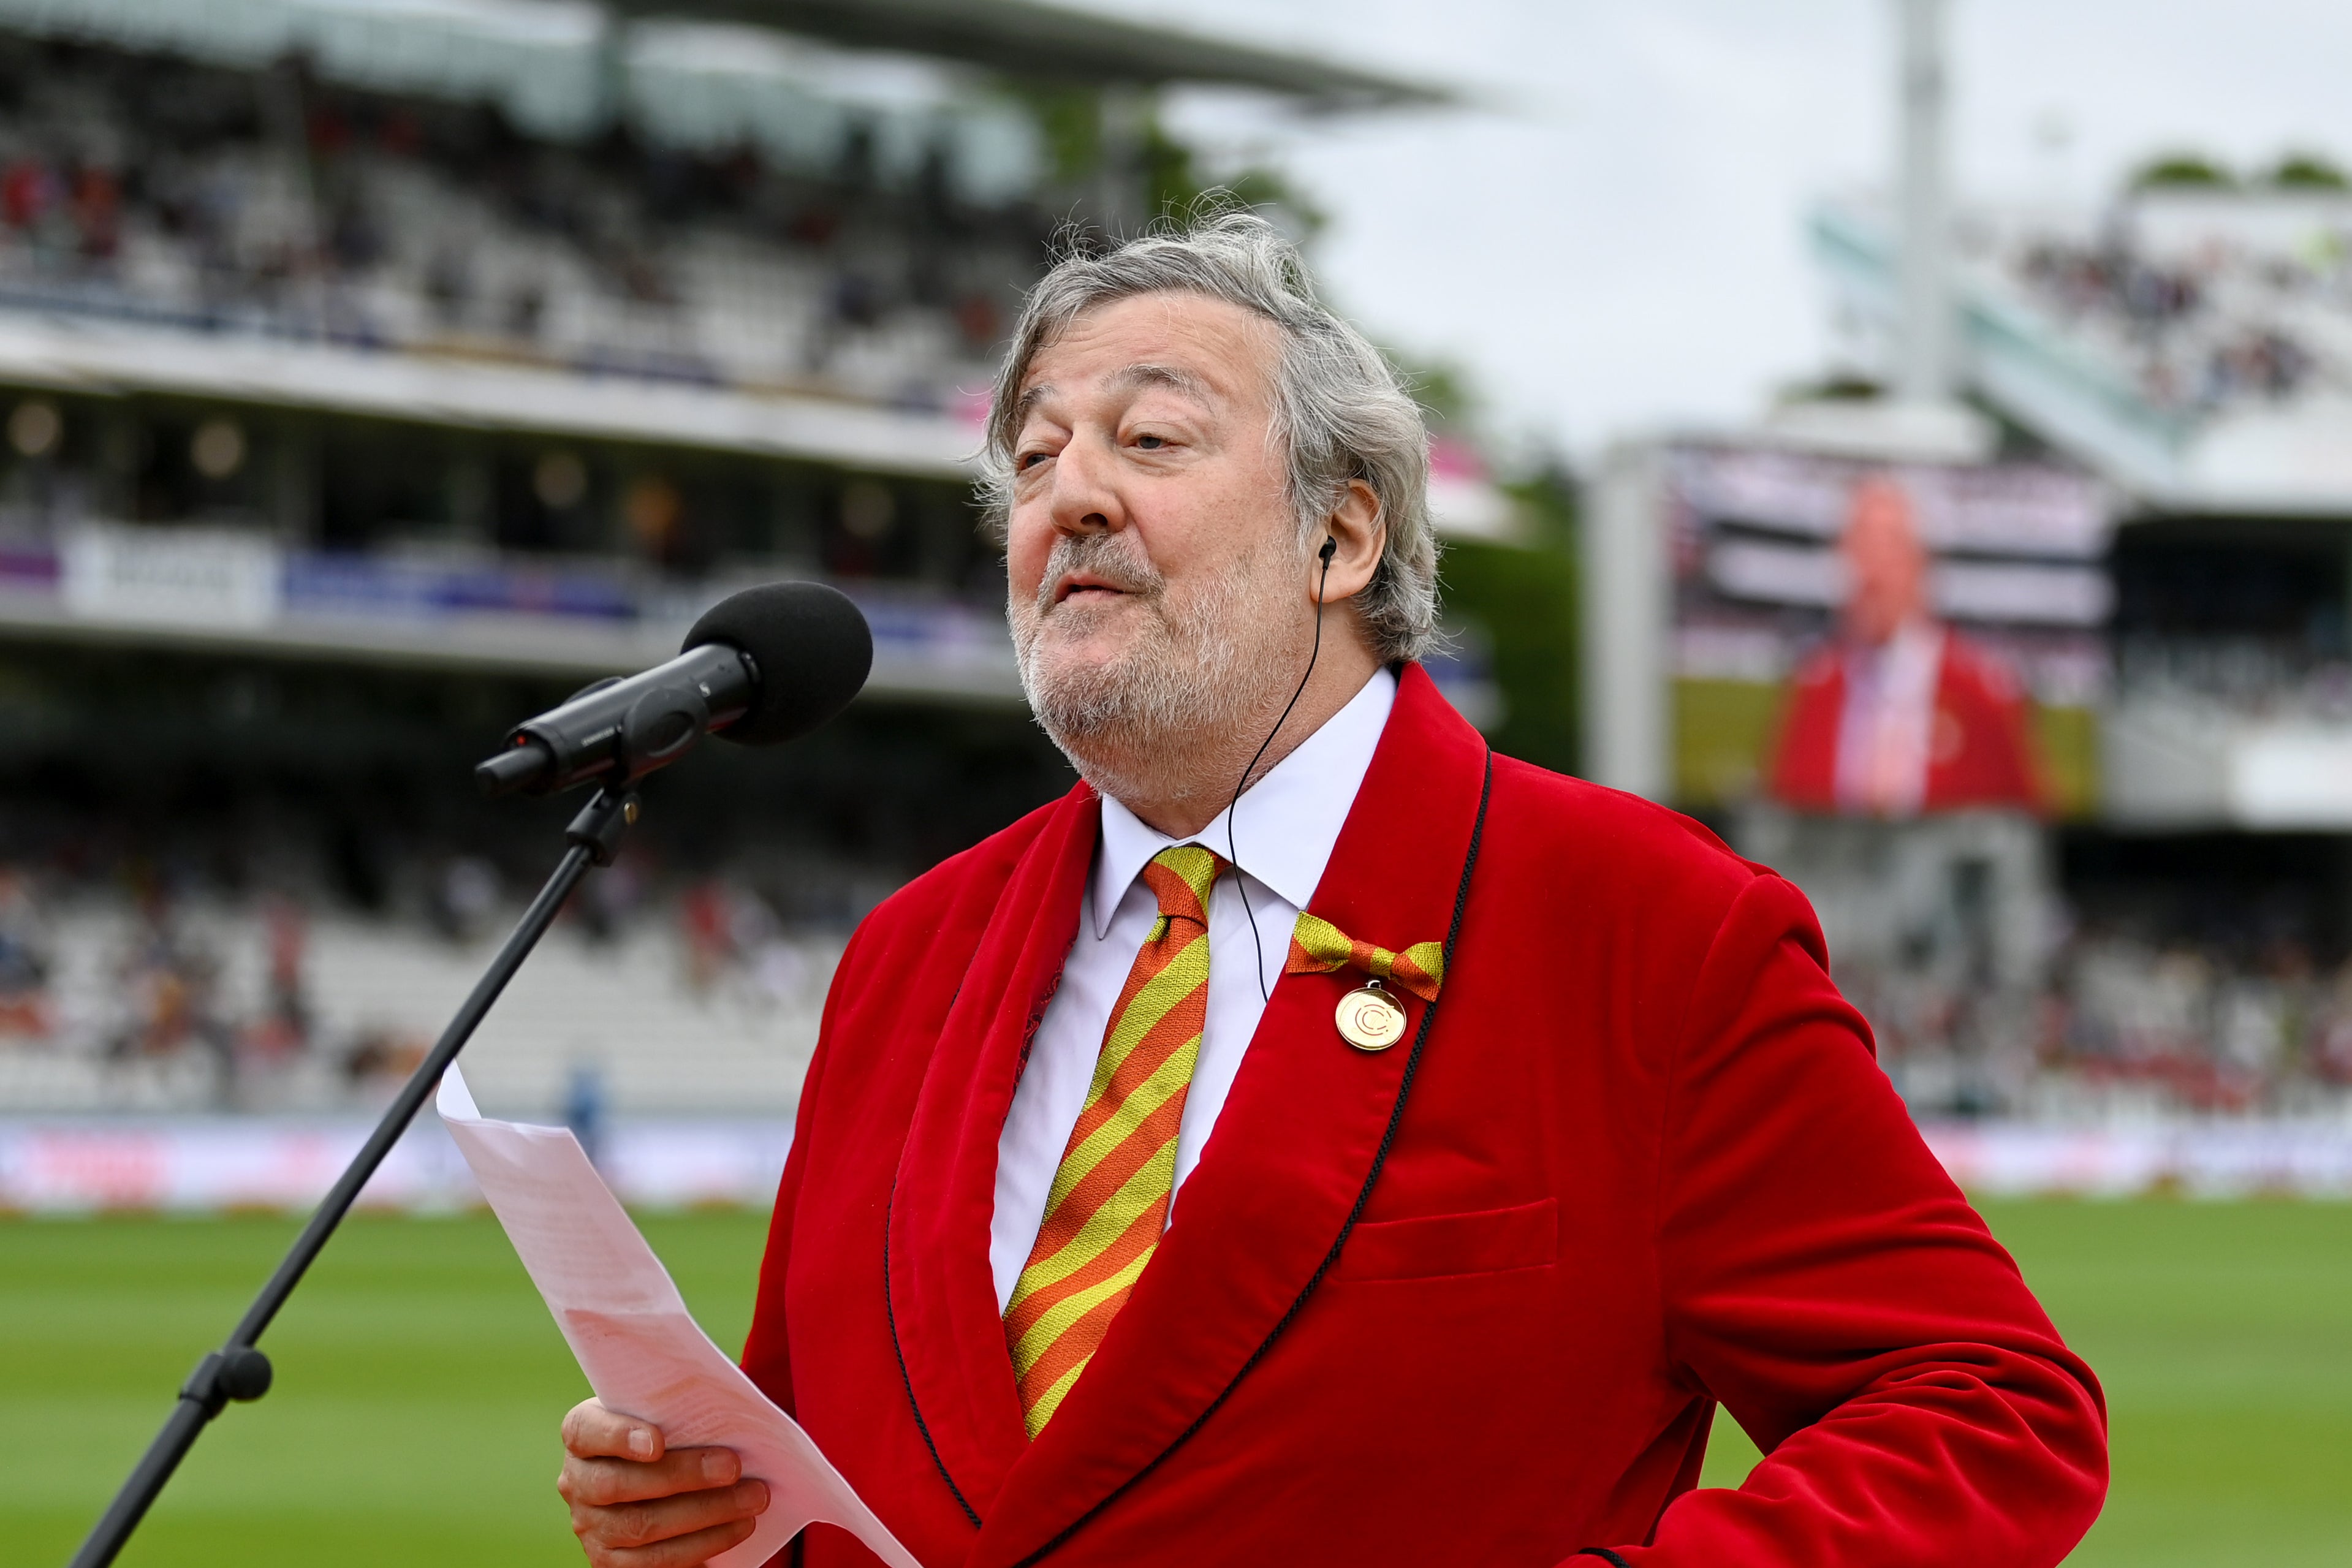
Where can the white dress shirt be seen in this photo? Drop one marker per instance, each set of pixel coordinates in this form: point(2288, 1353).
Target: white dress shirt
point(1284, 829)
point(1887, 732)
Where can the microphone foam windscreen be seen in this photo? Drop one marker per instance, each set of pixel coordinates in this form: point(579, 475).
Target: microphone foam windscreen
point(812, 648)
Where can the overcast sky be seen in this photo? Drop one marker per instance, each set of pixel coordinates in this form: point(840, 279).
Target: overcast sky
point(1617, 243)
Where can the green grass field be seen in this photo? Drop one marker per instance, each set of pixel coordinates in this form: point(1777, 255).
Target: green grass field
point(419, 1381)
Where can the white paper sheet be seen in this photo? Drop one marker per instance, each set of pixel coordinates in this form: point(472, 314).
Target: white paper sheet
point(644, 1353)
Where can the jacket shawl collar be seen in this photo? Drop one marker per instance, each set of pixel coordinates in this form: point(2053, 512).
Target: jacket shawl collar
point(1291, 1161)
point(941, 1294)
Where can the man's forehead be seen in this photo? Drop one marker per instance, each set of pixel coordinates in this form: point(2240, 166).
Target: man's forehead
point(1879, 520)
point(1186, 343)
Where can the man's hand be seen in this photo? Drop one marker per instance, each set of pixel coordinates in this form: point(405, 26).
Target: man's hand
point(637, 1504)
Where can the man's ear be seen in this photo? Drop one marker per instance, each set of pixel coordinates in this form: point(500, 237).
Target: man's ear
point(1356, 535)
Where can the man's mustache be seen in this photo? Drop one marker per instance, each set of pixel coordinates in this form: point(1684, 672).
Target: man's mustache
point(1118, 558)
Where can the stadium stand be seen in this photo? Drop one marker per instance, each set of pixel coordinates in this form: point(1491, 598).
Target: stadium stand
point(275, 1009)
point(372, 373)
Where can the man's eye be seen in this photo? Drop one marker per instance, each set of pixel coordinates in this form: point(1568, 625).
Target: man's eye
point(1031, 459)
point(1149, 442)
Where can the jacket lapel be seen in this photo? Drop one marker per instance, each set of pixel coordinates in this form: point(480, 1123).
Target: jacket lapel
point(1290, 1161)
point(941, 1294)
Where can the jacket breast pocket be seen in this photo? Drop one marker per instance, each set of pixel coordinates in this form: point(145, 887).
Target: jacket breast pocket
point(1436, 1246)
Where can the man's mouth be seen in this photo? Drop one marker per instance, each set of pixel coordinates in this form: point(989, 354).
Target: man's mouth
point(1085, 587)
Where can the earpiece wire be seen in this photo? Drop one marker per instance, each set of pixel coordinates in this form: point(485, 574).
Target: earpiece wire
point(1233, 856)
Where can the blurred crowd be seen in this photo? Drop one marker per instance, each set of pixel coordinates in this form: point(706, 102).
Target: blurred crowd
point(2203, 1028)
point(270, 202)
point(222, 998)
point(2127, 1026)
point(195, 1001)
point(2201, 334)
point(139, 985)
point(2245, 676)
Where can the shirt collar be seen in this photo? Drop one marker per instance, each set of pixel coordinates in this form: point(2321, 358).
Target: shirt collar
point(1283, 829)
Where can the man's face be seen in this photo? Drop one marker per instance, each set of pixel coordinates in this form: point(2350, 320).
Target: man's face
point(1157, 579)
point(1886, 566)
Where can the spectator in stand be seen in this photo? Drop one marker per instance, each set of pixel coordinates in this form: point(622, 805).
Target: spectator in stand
point(2331, 1032)
point(25, 1009)
point(27, 190)
point(705, 921)
point(98, 212)
point(465, 896)
point(1900, 714)
point(283, 1029)
point(170, 986)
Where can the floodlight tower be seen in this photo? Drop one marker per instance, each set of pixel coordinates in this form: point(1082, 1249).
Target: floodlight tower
point(1923, 342)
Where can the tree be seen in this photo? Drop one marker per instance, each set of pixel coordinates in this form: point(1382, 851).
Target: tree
point(2183, 170)
point(1521, 602)
point(2308, 172)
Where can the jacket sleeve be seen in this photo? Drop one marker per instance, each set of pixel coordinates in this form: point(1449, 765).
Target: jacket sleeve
point(1824, 1281)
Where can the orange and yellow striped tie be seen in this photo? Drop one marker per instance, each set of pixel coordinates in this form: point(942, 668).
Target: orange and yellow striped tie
point(1109, 1199)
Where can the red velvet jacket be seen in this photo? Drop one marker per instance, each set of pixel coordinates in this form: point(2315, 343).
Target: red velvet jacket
point(1470, 1301)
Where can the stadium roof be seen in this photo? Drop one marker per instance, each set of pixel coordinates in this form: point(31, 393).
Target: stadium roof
point(1025, 37)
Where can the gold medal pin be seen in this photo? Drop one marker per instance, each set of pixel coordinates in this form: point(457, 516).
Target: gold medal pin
point(1369, 1019)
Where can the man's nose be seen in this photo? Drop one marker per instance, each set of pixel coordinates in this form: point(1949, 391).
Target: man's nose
point(1084, 500)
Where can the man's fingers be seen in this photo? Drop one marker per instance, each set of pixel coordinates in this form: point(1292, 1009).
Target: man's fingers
point(637, 1504)
point(602, 1483)
point(680, 1551)
point(627, 1527)
point(592, 1432)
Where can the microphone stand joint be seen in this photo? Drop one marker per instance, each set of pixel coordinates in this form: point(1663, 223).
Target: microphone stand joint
point(597, 829)
point(238, 1372)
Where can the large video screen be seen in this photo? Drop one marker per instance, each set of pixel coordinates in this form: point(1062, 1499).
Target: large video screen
point(2012, 570)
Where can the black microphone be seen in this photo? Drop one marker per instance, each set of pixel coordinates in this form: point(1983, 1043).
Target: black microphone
point(767, 664)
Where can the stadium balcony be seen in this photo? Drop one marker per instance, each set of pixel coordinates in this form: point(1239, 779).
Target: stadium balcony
point(608, 252)
point(368, 253)
point(2193, 349)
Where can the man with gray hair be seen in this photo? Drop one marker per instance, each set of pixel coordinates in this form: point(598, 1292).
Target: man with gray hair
point(1315, 1139)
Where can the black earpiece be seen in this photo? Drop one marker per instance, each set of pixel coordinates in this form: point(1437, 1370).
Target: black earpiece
point(1330, 548)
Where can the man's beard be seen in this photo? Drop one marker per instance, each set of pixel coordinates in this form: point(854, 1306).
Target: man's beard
point(1142, 725)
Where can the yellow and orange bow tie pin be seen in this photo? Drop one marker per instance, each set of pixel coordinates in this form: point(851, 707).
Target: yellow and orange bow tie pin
point(1368, 1017)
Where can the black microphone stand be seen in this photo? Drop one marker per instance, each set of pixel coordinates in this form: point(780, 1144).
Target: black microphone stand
point(238, 1369)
